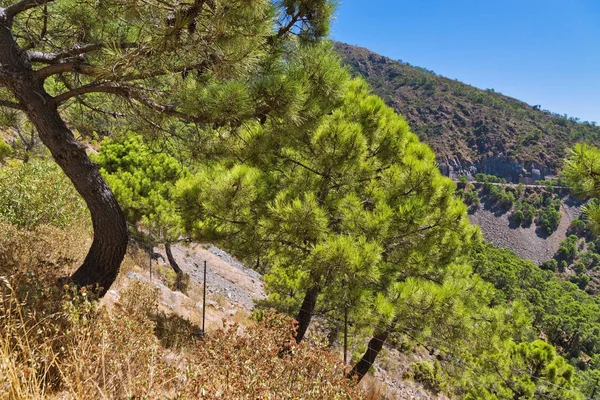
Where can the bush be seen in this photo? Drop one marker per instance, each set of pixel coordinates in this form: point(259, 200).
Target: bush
point(5, 150)
point(550, 265)
point(581, 280)
point(579, 267)
point(562, 266)
point(60, 343)
point(425, 373)
point(577, 226)
point(528, 213)
point(471, 198)
point(489, 178)
point(36, 193)
point(517, 217)
point(568, 248)
point(549, 218)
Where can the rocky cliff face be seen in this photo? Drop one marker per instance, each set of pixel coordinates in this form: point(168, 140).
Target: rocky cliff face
point(512, 170)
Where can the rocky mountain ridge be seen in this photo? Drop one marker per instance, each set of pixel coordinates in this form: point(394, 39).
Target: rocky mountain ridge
point(471, 130)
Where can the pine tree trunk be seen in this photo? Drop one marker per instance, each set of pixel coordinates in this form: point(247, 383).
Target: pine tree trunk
point(305, 313)
point(101, 265)
point(175, 266)
point(375, 345)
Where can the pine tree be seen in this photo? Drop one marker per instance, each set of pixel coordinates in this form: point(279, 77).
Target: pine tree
point(581, 172)
point(143, 180)
point(347, 203)
point(142, 61)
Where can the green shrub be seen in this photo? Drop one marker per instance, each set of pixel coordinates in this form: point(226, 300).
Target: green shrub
point(568, 248)
point(550, 265)
point(489, 178)
point(528, 213)
point(517, 216)
point(36, 193)
point(581, 280)
point(579, 267)
point(5, 150)
point(471, 198)
point(549, 218)
point(425, 373)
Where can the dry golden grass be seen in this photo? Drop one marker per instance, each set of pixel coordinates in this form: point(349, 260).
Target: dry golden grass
point(58, 342)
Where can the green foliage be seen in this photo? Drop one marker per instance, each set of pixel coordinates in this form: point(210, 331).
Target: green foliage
point(528, 213)
point(581, 280)
point(550, 265)
point(581, 172)
point(498, 194)
point(567, 316)
point(568, 248)
point(471, 198)
point(426, 373)
point(483, 178)
point(36, 193)
point(529, 370)
point(143, 181)
point(518, 217)
point(549, 218)
point(348, 204)
point(5, 150)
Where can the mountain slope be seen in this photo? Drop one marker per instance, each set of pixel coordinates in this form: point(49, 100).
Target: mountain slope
point(471, 130)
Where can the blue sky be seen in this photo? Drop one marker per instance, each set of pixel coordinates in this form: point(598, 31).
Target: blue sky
point(542, 52)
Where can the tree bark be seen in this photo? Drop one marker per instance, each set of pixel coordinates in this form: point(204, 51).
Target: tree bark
point(175, 266)
point(375, 345)
point(101, 265)
point(305, 313)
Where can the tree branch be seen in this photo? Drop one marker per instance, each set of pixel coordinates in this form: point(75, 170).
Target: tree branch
point(14, 9)
point(10, 104)
point(54, 69)
point(91, 88)
point(50, 58)
point(129, 93)
point(286, 28)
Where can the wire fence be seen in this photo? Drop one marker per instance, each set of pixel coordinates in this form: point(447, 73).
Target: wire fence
point(407, 330)
point(148, 241)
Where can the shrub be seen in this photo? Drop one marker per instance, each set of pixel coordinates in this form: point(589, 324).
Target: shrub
point(528, 213)
point(562, 266)
point(471, 198)
point(517, 216)
point(549, 218)
point(580, 280)
point(5, 150)
point(550, 265)
point(36, 193)
point(579, 267)
point(60, 343)
point(568, 248)
point(425, 373)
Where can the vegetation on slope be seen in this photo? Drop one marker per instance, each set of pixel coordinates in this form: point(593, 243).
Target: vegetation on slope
point(310, 177)
point(526, 204)
point(463, 122)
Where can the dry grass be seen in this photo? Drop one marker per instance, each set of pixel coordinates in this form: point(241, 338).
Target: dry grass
point(60, 343)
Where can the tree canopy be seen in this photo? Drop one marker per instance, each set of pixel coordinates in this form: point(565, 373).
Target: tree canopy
point(70, 65)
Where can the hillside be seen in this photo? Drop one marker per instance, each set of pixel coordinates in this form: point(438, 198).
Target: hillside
point(471, 130)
